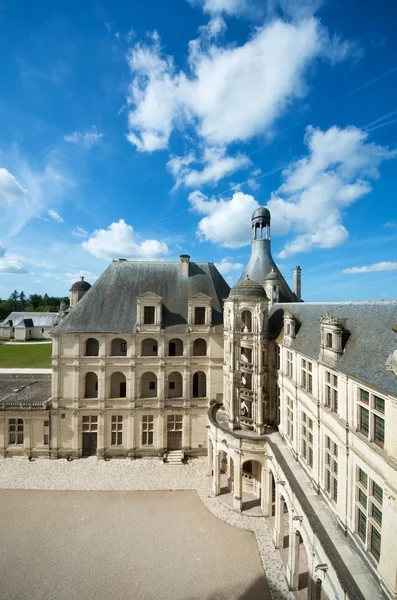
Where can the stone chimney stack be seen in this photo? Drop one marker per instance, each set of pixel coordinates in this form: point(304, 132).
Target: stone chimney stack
point(298, 283)
point(185, 260)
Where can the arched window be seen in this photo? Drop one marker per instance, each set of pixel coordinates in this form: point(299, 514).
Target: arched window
point(150, 347)
point(118, 385)
point(119, 347)
point(175, 385)
point(91, 347)
point(175, 347)
point(149, 385)
point(91, 385)
point(199, 385)
point(246, 320)
point(199, 347)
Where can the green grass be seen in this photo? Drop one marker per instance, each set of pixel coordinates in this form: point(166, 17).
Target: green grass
point(35, 356)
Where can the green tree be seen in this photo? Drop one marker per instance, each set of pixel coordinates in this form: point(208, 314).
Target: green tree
point(22, 299)
point(14, 297)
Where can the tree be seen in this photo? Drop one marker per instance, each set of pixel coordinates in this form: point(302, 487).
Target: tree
point(22, 299)
point(14, 297)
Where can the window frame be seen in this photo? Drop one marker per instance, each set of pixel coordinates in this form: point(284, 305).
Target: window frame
point(371, 416)
point(16, 431)
point(147, 430)
point(369, 512)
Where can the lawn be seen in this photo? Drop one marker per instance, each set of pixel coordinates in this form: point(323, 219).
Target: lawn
point(35, 356)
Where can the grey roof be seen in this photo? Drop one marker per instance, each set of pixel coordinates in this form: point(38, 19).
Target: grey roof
point(39, 319)
point(247, 289)
point(80, 286)
point(370, 342)
point(262, 211)
point(24, 393)
point(110, 305)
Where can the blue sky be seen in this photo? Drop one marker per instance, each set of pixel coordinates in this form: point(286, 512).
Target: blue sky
point(150, 129)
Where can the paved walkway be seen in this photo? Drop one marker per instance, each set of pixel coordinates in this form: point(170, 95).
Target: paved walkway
point(144, 474)
point(20, 371)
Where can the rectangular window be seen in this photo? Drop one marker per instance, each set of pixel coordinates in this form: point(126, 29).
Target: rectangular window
point(307, 439)
point(15, 431)
point(199, 315)
point(362, 525)
point(117, 430)
point(152, 385)
point(369, 512)
point(289, 365)
point(377, 492)
point(331, 468)
point(331, 391)
point(90, 423)
point(149, 315)
point(290, 418)
point(379, 404)
point(46, 433)
point(306, 376)
point(123, 347)
point(171, 385)
point(147, 430)
point(363, 420)
point(375, 543)
point(371, 420)
point(364, 397)
point(379, 430)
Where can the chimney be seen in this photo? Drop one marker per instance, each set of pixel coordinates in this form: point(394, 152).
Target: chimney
point(185, 259)
point(298, 283)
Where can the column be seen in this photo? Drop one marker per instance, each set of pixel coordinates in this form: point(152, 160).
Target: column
point(76, 384)
point(210, 457)
point(130, 434)
point(161, 443)
point(266, 496)
point(102, 391)
point(216, 479)
point(186, 431)
point(75, 436)
point(27, 436)
point(293, 558)
point(101, 434)
point(161, 384)
point(238, 491)
point(55, 422)
point(279, 521)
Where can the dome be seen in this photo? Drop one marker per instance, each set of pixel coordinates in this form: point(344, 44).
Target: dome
point(80, 286)
point(272, 275)
point(247, 289)
point(261, 212)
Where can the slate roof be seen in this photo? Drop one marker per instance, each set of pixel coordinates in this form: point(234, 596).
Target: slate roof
point(24, 393)
point(247, 289)
point(110, 305)
point(370, 343)
point(39, 319)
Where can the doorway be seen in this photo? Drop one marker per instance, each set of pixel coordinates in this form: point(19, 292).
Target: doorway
point(174, 432)
point(90, 435)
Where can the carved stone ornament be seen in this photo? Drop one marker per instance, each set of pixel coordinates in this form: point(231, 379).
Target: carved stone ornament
point(392, 363)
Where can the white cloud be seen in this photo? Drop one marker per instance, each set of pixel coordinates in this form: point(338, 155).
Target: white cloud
point(120, 240)
point(229, 7)
point(11, 264)
point(226, 222)
point(230, 93)
point(84, 138)
point(79, 232)
point(380, 266)
point(216, 166)
point(226, 266)
point(88, 276)
point(26, 194)
point(55, 215)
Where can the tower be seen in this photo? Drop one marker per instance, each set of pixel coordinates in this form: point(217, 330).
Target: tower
point(245, 355)
point(78, 290)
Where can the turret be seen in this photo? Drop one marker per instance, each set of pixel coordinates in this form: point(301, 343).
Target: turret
point(78, 290)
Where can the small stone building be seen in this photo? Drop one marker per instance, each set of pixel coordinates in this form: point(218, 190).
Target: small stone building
point(23, 326)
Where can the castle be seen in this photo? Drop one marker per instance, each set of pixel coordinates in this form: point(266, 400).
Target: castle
point(294, 403)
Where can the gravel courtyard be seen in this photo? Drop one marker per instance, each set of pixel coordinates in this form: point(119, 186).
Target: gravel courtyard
point(77, 545)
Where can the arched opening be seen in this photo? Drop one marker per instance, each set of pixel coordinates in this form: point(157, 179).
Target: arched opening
point(251, 486)
point(175, 347)
point(149, 385)
point(199, 385)
point(119, 347)
point(246, 321)
point(284, 534)
point(175, 385)
point(150, 347)
point(226, 466)
point(91, 347)
point(118, 385)
point(199, 347)
point(91, 385)
point(303, 568)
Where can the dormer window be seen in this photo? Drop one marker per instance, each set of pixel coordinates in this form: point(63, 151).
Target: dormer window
point(199, 315)
point(149, 315)
point(333, 338)
point(290, 328)
point(329, 340)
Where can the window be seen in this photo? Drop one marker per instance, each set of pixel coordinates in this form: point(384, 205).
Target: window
point(123, 346)
point(42, 330)
point(307, 439)
point(148, 315)
point(171, 349)
point(15, 431)
point(289, 365)
point(306, 376)
point(147, 430)
point(331, 469)
point(328, 341)
point(152, 385)
point(46, 433)
point(290, 418)
point(277, 357)
point(117, 430)
point(369, 499)
point(370, 416)
point(90, 423)
point(199, 315)
point(171, 385)
point(331, 391)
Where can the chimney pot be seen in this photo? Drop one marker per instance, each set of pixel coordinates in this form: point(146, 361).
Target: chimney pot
point(298, 283)
point(185, 260)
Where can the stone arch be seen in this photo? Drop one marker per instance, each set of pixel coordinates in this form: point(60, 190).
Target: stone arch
point(118, 385)
point(149, 347)
point(251, 483)
point(118, 347)
point(246, 320)
point(175, 347)
point(91, 385)
point(199, 385)
point(199, 347)
point(226, 466)
point(175, 385)
point(92, 347)
point(149, 385)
